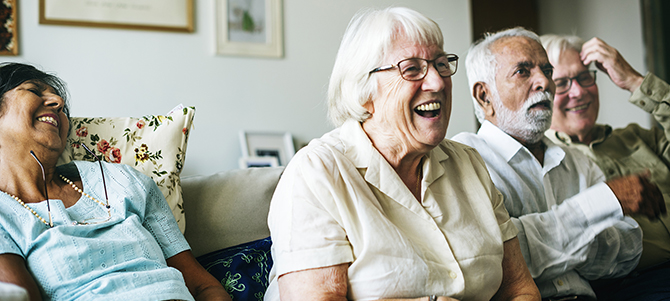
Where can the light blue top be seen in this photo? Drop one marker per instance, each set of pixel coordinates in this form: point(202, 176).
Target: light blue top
point(123, 258)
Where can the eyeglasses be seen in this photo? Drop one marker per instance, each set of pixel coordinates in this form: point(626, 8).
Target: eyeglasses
point(89, 221)
point(414, 69)
point(584, 79)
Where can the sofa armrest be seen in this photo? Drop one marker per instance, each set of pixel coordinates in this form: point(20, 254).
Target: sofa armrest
point(228, 208)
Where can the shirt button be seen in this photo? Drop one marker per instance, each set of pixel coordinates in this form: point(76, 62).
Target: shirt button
point(560, 282)
point(103, 265)
point(453, 274)
point(611, 171)
point(102, 252)
point(642, 103)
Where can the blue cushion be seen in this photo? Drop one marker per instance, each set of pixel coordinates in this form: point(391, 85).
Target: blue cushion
point(243, 269)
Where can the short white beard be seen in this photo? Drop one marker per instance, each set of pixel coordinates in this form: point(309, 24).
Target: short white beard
point(524, 123)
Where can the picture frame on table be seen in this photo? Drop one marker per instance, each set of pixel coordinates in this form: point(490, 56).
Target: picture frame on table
point(9, 34)
point(163, 15)
point(249, 28)
point(268, 144)
point(258, 162)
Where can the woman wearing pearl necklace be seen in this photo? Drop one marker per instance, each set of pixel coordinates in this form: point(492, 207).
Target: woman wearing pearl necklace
point(82, 230)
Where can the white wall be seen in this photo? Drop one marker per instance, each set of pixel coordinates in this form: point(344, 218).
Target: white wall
point(619, 24)
point(115, 72)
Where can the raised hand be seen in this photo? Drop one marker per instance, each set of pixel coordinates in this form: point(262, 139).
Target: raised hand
point(610, 61)
point(637, 194)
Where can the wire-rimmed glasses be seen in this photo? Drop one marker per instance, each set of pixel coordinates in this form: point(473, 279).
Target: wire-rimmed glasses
point(584, 79)
point(414, 69)
point(89, 221)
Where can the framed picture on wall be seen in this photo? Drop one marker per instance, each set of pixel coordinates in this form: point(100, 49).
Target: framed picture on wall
point(167, 15)
point(265, 144)
point(249, 28)
point(9, 35)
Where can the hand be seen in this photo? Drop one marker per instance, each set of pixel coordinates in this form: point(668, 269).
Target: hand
point(610, 61)
point(637, 194)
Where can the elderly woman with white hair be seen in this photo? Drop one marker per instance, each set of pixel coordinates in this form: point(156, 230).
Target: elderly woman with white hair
point(384, 207)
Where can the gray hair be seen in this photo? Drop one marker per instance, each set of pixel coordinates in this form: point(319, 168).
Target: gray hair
point(369, 37)
point(555, 45)
point(481, 64)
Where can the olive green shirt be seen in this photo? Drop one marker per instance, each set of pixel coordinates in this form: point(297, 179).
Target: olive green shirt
point(632, 150)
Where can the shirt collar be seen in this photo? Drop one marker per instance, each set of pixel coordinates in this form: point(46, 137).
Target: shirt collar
point(507, 147)
point(503, 143)
point(600, 132)
point(357, 145)
point(359, 149)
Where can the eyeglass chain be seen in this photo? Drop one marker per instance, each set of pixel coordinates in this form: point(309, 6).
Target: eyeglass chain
point(107, 206)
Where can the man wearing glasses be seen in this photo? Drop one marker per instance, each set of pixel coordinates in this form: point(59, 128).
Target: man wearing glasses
point(573, 226)
point(618, 152)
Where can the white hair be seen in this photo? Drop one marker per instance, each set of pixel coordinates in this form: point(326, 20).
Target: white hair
point(555, 45)
point(481, 64)
point(369, 37)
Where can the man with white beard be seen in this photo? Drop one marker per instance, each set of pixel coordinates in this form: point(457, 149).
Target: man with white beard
point(573, 226)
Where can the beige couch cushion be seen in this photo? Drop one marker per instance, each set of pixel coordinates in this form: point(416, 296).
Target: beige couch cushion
point(228, 208)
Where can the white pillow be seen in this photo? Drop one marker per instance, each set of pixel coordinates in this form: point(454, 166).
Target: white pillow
point(154, 144)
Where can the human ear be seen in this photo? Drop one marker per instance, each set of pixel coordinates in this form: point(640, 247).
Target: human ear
point(369, 106)
point(480, 91)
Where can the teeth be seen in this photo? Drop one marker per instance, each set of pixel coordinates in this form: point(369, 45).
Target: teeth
point(48, 119)
point(429, 107)
point(582, 107)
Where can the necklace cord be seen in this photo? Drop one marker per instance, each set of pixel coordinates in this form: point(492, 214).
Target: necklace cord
point(46, 193)
point(103, 174)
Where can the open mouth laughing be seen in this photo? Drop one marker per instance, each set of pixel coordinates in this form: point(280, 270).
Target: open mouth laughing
point(48, 119)
point(429, 110)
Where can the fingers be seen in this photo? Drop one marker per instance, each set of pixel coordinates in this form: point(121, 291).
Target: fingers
point(610, 61)
point(655, 205)
point(638, 195)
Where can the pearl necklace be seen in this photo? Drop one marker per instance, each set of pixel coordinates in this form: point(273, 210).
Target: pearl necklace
point(26, 206)
point(84, 193)
point(107, 206)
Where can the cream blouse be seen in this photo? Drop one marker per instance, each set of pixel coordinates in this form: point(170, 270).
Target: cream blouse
point(339, 201)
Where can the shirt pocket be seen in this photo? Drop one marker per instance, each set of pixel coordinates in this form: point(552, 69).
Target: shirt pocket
point(638, 162)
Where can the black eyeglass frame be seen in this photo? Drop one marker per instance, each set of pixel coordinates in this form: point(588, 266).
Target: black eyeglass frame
point(576, 78)
point(450, 58)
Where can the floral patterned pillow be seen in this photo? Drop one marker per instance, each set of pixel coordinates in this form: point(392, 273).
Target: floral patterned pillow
point(154, 144)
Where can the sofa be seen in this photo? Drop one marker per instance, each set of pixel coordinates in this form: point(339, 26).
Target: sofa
point(223, 216)
point(226, 226)
point(228, 208)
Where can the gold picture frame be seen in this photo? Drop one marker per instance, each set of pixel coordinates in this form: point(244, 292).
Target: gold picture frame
point(9, 35)
point(249, 28)
point(163, 15)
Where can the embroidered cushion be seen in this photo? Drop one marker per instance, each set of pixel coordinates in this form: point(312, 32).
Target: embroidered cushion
point(154, 144)
point(243, 269)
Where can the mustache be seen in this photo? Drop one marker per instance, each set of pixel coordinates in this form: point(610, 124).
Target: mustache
point(539, 97)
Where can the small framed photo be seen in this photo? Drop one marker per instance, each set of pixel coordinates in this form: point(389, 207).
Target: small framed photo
point(9, 35)
point(249, 28)
point(267, 144)
point(165, 15)
point(257, 162)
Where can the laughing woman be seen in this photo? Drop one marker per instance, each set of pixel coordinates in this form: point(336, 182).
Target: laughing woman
point(384, 207)
point(83, 230)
